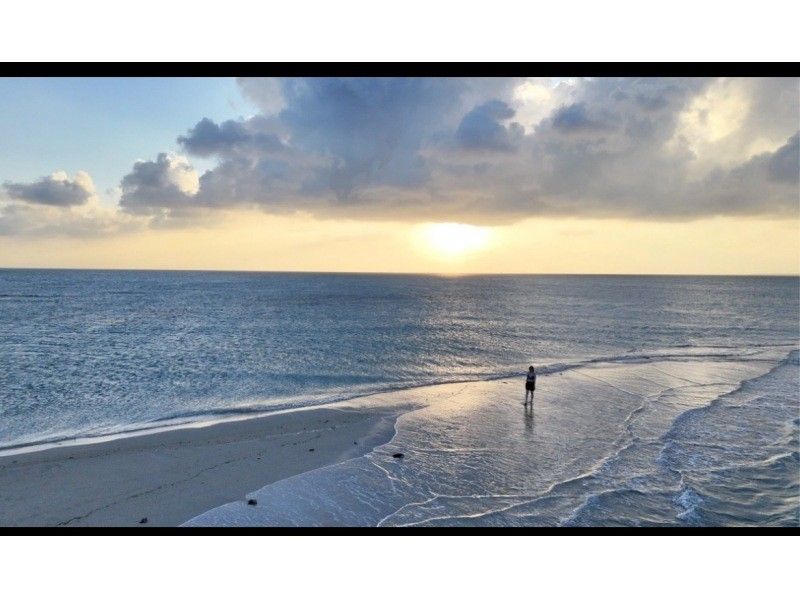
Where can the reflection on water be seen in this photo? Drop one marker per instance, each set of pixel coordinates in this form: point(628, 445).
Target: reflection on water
point(87, 352)
point(529, 417)
point(669, 441)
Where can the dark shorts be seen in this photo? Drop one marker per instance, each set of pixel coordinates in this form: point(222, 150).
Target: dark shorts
point(530, 386)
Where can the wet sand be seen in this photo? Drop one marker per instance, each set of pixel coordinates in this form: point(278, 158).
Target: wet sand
point(170, 476)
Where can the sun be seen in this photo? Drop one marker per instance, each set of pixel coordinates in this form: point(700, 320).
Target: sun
point(451, 240)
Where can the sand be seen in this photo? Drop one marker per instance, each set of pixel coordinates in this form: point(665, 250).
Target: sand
point(170, 476)
point(471, 455)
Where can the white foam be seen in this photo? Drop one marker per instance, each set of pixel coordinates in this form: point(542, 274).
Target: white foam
point(473, 456)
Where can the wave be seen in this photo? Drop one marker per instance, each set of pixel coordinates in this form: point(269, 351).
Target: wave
point(288, 403)
point(765, 492)
point(613, 478)
point(793, 358)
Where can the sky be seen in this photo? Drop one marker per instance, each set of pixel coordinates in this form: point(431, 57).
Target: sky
point(450, 175)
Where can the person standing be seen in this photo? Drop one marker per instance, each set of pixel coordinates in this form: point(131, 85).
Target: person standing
point(530, 384)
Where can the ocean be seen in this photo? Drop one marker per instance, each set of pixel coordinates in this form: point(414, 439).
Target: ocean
point(84, 354)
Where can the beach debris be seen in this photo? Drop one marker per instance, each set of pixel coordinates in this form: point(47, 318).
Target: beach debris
point(143, 520)
point(354, 442)
point(311, 450)
point(398, 455)
point(252, 502)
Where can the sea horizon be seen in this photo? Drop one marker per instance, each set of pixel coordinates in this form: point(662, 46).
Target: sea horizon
point(409, 273)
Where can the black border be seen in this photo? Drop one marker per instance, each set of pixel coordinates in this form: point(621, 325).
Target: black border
point(429, 69)
point(372, 69)
point(401, 531)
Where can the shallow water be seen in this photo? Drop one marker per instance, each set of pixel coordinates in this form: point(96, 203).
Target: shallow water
point(672, 440)
point(86, 353)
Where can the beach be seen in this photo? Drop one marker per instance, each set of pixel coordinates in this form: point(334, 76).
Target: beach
point(697, 437)
point(680, 439)
point(176, 398)
point(171, 476)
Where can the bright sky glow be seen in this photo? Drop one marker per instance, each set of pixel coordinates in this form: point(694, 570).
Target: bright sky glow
point(606, 175)
point(450, 240)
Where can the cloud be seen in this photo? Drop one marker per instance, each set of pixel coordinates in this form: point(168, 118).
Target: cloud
point(369, 130)
point(59, 206)
point(230, 138)
point(342, 135)
point(615, 155)
point(166, 184)
point(773, 177)
point(46, 221)
point(537, 98)
point(265, 92)
point(19, 216)
point(482, 128)
point(574, 118)
point(54, 190)
point(783, 165)
point(489, 150)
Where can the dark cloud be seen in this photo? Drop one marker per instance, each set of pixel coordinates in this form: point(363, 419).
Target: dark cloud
point(246, 137)
point(575, 119)
point(55, 190)
point(60, 206)
point(772, 177)
point(784, 165)
point(369, 130)
point(344, 134)
point(166, 183)
point(673, 148)
point(482, 128)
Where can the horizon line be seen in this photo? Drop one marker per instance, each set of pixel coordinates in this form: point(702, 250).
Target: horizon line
point(387, 273)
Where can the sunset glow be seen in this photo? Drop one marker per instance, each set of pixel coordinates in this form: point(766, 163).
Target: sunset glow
point(450, 240)
point(451, 175)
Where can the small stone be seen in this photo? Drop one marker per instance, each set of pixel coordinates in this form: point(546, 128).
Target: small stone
point(143, 520)
point(354, 442)
point(252, 502)
point(398, 455)
point(310, 450)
